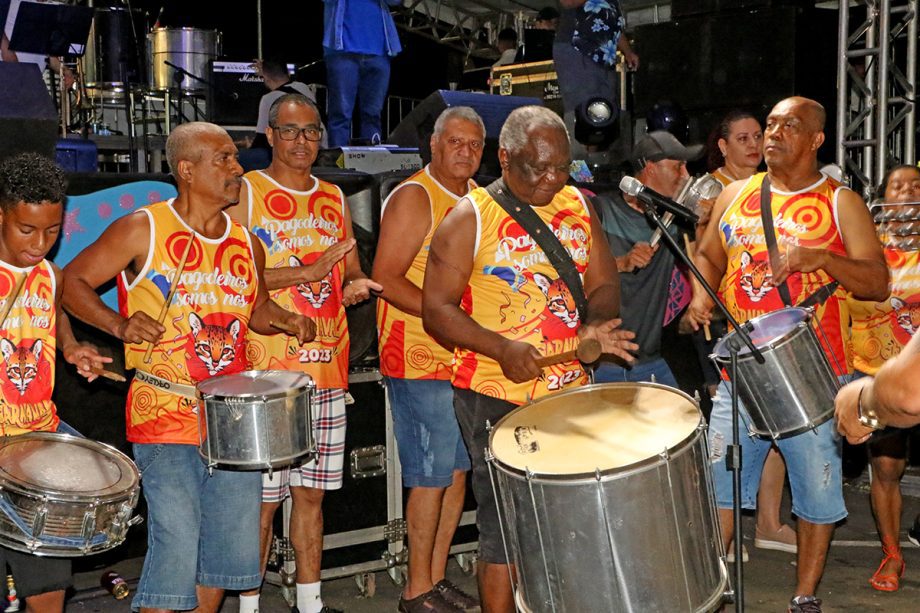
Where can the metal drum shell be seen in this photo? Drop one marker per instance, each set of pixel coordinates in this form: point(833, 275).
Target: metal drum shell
point(255, 431)
point(70, 514)
point(189, 48)
point(642, 537)
point(793, 391)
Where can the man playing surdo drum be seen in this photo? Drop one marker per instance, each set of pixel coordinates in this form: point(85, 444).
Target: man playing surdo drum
point(201, 528)
point(824, 234)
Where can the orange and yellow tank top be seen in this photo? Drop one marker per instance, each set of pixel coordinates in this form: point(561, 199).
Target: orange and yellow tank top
point(406, 350)
point(722, 177)
point(515, 291)
point(808, 218)
point(295, 228)
point(881, 329)
point(206, 323)
point(27, 346)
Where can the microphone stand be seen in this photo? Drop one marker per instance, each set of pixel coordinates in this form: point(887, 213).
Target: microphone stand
point(735, 345)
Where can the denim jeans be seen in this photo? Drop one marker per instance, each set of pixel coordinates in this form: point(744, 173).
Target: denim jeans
point(608, 372)
point(427, 433)
point(813, 461)
point(356, 81)
point(201, 529)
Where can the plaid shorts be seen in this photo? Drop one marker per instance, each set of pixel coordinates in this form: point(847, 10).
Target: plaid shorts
point(325, 471)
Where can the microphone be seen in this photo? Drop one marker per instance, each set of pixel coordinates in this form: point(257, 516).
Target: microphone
point(634, 187)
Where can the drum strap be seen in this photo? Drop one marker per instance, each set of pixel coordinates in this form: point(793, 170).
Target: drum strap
point(766, 217)
point(164, 385)
point(528, 219)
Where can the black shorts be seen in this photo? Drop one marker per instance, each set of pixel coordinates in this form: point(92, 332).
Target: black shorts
point(34, 574)
point(473, 410)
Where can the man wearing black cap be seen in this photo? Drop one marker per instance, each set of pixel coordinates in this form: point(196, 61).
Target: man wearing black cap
point(660, 161)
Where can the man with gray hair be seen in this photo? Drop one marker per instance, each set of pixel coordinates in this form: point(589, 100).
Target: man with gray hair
point(491, 293)
point(417, 369)
point(187, 251)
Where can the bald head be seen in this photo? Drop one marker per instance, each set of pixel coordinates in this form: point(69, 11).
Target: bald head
point(812, 112)
point(187, 142)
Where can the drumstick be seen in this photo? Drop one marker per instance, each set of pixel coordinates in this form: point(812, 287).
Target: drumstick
point(108, 374)
point(696, 284)
point(12, 298)
point(172, 291)
point(588, 351)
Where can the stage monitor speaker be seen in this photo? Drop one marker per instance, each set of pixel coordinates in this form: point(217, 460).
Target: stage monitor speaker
point(233, 98)
point(415, 129)
point(28, 120)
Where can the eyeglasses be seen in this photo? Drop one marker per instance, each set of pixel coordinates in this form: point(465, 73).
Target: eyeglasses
point(310, 133)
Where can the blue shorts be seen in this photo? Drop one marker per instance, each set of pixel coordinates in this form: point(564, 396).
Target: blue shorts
point(813, 462)
point(201, 529)
point(608, 372)
point(427, 433)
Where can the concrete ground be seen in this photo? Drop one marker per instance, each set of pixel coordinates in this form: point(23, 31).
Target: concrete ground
point(769, 576)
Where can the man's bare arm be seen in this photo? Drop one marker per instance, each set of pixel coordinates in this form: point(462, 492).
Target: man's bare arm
point(123, 246)
point(405, 223)
point(267, 316)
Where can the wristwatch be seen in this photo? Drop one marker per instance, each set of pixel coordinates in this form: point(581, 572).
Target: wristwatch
point(867, 417)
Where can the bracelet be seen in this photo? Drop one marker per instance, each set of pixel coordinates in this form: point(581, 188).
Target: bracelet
point(867, 417)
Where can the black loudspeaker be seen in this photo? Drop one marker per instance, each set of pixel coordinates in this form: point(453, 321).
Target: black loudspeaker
point(28, 121)
point(712, 63)
point(234, 94)
point(416, 128)
point(683, 8)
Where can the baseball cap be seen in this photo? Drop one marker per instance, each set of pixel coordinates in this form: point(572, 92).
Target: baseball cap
point(660, 145)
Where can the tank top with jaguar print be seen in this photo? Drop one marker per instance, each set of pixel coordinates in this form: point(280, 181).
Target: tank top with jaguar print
point(206, 322)
point(295, 228)
point(406, 350)
point(515, 291)
point(808, 218)
point(27, 348)
point(880, 330)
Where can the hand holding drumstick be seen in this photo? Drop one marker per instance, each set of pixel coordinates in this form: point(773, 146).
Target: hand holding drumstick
point(295, 324)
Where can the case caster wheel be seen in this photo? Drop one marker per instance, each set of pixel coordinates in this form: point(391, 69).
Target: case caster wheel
point(367, 584)
point(467, 562)
point(398, 575)
point(288, 588)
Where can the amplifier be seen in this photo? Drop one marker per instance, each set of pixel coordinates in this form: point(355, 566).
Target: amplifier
point(533, 80)
point(234, 92)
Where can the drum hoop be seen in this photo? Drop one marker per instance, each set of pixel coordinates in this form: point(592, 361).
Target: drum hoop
point(579, 478)
point(182, 29)
point(14, 485)
point(308, 386)
point(769, 345)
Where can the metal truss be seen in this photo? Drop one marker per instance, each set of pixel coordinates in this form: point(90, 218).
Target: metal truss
point(470, 26)
point(876, 94)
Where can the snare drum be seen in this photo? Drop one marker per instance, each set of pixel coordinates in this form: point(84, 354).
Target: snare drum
point(255, 420)
point(794, 389)
point(64, 496)
point(607, 501)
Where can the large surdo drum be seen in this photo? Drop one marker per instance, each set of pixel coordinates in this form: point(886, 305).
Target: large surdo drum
point(607, 502)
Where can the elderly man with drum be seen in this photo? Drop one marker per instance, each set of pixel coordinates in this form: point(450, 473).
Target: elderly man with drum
point(202, 272)
point(312, 268)
point(491, 292)
point(824, 246)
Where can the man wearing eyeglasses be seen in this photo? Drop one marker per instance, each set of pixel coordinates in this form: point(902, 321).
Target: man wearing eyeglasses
point(432, 454)
point(311, 268)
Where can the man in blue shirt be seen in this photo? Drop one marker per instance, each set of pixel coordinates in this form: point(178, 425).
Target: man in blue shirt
point(359, 38)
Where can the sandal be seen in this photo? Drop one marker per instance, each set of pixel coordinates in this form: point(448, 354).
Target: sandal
point(892, 581)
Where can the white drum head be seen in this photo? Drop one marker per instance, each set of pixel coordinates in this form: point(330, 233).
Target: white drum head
point(256, 383)
point(598, 427)
point(61, 464)
point(766, 330)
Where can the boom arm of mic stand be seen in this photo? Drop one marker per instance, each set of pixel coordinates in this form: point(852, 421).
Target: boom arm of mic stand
point(675, 248)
